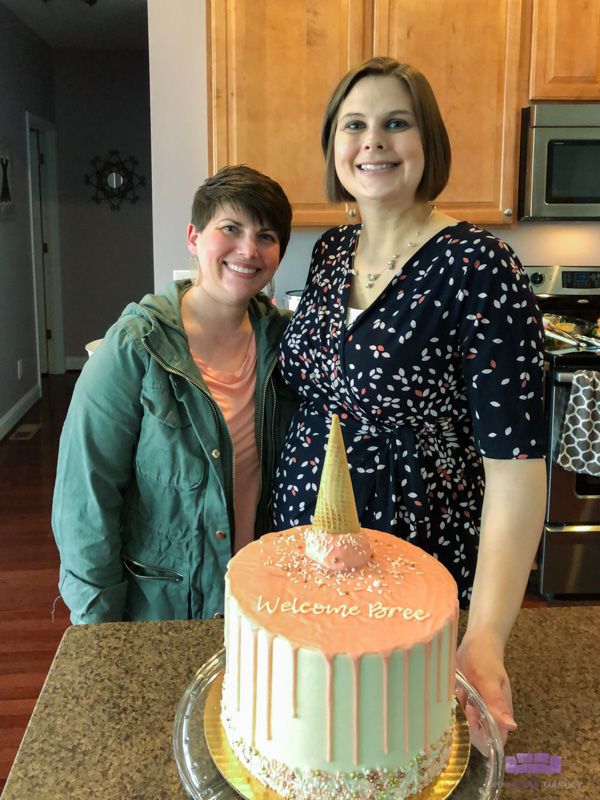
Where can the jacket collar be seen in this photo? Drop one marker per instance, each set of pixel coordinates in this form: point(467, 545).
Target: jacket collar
point(168, 341)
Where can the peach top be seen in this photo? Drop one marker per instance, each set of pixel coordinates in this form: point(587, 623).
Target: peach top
point(403, 595)
point(235, 394)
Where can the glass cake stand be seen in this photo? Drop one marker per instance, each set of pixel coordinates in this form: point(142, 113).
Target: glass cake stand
point(202, 779)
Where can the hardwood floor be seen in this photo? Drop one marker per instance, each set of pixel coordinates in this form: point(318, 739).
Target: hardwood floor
point(29, 633)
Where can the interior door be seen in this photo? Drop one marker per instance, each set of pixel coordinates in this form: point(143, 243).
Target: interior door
point(38, 246)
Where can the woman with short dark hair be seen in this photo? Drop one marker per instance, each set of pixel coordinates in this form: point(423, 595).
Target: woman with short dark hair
point(422, 334)
point(167, 453)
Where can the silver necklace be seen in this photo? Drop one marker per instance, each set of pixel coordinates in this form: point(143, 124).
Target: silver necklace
point(391, 264)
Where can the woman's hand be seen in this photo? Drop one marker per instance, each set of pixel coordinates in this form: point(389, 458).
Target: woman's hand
point(511, 525)
point(480, 658)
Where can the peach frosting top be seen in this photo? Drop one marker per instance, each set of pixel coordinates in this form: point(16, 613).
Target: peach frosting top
point(403, 596)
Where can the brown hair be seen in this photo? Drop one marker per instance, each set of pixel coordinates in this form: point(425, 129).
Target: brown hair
point(244, 189)
point(434, 137)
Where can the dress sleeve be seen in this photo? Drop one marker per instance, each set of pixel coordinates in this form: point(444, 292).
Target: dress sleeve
point(501, 340)
point(95, 460)
point(315, 266)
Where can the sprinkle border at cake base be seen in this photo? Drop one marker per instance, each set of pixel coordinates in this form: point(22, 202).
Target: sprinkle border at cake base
point(371, 784)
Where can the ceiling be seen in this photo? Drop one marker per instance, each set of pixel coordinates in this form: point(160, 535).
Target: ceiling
point(109, 24)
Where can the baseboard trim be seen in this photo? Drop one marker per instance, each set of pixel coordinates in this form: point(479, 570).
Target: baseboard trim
point(12, 417)
point(76, 362)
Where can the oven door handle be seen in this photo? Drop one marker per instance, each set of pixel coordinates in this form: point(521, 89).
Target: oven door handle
point(564, 377)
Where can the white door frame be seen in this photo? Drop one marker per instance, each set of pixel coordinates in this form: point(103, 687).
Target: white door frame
point(53, 309)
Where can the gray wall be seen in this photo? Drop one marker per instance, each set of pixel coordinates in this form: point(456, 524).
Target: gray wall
point(102, 104)
point(25, 85)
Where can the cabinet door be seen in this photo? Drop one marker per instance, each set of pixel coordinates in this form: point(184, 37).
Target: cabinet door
point(565, 54)
point(469, 50)
point(273, 68)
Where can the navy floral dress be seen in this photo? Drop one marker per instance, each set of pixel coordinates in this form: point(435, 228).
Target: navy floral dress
point(443, 368)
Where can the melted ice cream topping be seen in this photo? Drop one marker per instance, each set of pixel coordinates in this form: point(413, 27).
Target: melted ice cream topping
point(338, 552)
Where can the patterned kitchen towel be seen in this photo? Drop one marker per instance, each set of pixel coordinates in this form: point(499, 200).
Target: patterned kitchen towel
point(580, 445)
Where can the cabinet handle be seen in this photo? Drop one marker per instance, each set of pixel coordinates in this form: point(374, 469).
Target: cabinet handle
point(508, 212)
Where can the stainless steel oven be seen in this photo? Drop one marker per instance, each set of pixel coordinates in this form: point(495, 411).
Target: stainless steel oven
point(560, 161)
point(569, 555)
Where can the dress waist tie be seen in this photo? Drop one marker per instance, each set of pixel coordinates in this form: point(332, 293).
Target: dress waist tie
point(386, 463)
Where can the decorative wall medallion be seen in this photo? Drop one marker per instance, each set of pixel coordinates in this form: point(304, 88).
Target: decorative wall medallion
point(114, 179)
point(7, 201)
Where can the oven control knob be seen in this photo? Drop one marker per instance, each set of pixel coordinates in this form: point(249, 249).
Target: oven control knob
point(536, 278)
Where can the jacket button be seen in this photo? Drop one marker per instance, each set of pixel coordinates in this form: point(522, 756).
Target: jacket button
point(215, 453)
point(220, 535)
point(218, 616)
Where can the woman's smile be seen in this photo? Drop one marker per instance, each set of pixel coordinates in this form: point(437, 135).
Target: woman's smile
point(377, 166)
point(241, 268)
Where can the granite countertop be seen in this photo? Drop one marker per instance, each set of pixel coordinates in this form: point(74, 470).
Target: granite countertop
point(103, 724)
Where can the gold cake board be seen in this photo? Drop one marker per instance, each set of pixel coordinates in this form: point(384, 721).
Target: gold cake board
point(236, 774)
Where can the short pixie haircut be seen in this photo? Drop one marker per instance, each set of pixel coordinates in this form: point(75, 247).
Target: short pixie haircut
point(244, 189)
point(434, 137)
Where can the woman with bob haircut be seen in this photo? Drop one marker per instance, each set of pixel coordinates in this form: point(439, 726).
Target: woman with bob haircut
point(166, 457)
point(422, 333)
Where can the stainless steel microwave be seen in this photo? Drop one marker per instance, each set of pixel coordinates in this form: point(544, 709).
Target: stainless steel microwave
point(560, 161)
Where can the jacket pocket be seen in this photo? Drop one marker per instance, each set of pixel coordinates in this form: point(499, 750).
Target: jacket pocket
point(161, 404)
point(153, 592)
point(151, 573)
point(168, 450)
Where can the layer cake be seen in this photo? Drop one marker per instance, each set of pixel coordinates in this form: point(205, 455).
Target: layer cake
point(339, 679)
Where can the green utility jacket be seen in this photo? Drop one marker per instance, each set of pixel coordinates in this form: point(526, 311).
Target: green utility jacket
point(143, 502)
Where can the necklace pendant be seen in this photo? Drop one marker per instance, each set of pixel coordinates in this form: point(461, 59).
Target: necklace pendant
point(352, 271)
point(372, 277)
point(410, 244)
point(368, 284)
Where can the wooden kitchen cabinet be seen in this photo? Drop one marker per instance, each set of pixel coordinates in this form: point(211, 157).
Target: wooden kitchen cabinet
point(273, 70)
point(470, 52)
point(565, 50)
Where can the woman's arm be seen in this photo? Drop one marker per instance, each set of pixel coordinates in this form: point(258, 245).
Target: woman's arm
point(511, 525)
point(94, 468)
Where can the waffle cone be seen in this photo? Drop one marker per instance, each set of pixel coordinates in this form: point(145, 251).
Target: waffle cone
point(335, 512)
